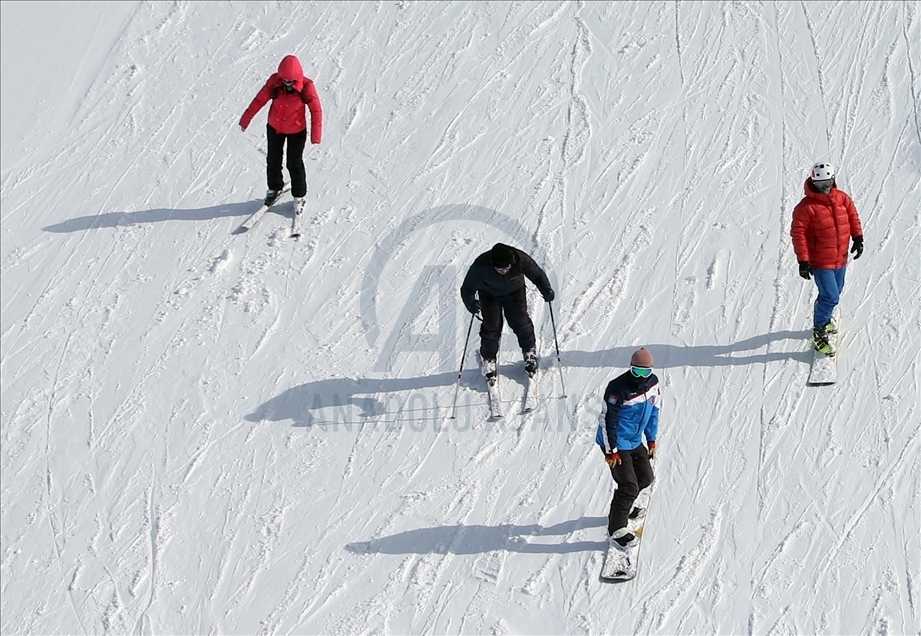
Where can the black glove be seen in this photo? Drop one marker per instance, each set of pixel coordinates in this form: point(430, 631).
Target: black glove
point(857, 247)
point(805, 269)
point(473, 306)
point(548, 295)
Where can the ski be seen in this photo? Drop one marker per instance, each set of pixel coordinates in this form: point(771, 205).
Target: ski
point(297, 218)
point(530, 397)
point(492, 389)
point(531, 366)
point(256, 216)
point(824, 368)
point(495, 399)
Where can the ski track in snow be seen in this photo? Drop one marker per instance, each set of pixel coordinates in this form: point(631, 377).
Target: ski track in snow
point(200, 435)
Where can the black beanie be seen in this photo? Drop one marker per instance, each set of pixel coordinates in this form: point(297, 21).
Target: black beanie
point(501, 255)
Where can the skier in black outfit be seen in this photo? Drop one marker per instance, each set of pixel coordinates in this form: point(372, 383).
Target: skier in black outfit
point(497, 278)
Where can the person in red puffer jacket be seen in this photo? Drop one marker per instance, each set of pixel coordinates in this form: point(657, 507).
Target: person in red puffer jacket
point(823, 224)
point(289, 91)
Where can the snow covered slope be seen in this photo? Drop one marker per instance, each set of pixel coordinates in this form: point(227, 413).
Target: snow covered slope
point(209, 432)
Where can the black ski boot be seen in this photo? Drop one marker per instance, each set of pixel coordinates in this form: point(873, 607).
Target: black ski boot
point(271, 196)
point(530, 362)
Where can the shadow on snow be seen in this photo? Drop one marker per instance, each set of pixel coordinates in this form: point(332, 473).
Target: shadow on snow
point(475, 539)
point(127, 219)
point(340, 393)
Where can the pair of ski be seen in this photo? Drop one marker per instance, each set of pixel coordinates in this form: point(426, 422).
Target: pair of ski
point(256, 216)
point(494, 398)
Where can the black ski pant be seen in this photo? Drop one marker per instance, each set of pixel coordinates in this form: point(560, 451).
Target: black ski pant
point(296, 143)
point(632, 475)
point(515, 308)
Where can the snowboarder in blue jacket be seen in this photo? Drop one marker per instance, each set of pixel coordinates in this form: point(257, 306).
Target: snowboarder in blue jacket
point(629, 412)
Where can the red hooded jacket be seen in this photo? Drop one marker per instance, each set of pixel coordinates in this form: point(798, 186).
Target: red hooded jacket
point(823, 226)
point(286, 114)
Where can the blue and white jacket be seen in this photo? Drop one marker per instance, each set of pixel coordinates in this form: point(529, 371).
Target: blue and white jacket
point(629, 411)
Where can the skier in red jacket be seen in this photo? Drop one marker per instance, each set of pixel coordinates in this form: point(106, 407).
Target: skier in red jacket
point(823, 223)
point(289, 91)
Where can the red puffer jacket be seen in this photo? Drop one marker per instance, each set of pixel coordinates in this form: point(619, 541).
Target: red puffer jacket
point(286, 114)
point(822, 228)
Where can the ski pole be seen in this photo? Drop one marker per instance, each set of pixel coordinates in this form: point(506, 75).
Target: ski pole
point(557, 343)
point(463, 357)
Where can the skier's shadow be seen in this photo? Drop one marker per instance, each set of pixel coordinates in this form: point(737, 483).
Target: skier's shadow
point(127, 219)
point(477, 539)
point(342, 394)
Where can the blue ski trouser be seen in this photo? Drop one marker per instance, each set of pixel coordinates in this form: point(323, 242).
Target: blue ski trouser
point(830, 283)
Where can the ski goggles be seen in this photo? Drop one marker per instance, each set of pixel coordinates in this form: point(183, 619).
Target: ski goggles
point(823, 184)
point(641, 372)
point(504, 269)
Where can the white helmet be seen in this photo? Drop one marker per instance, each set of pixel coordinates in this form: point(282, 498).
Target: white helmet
point(822, 171)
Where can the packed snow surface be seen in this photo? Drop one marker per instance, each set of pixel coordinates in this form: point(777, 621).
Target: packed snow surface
point(210, 432)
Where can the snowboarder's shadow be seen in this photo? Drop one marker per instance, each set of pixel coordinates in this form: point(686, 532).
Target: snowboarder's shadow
point(343, 395)
point(478, 539)
point(672, 356)
point(127, 219)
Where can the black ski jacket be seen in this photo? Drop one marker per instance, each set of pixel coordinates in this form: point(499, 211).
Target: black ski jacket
point(483, 277)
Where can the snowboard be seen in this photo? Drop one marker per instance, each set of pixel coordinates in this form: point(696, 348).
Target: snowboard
point(620, 563)
point(824, 368)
